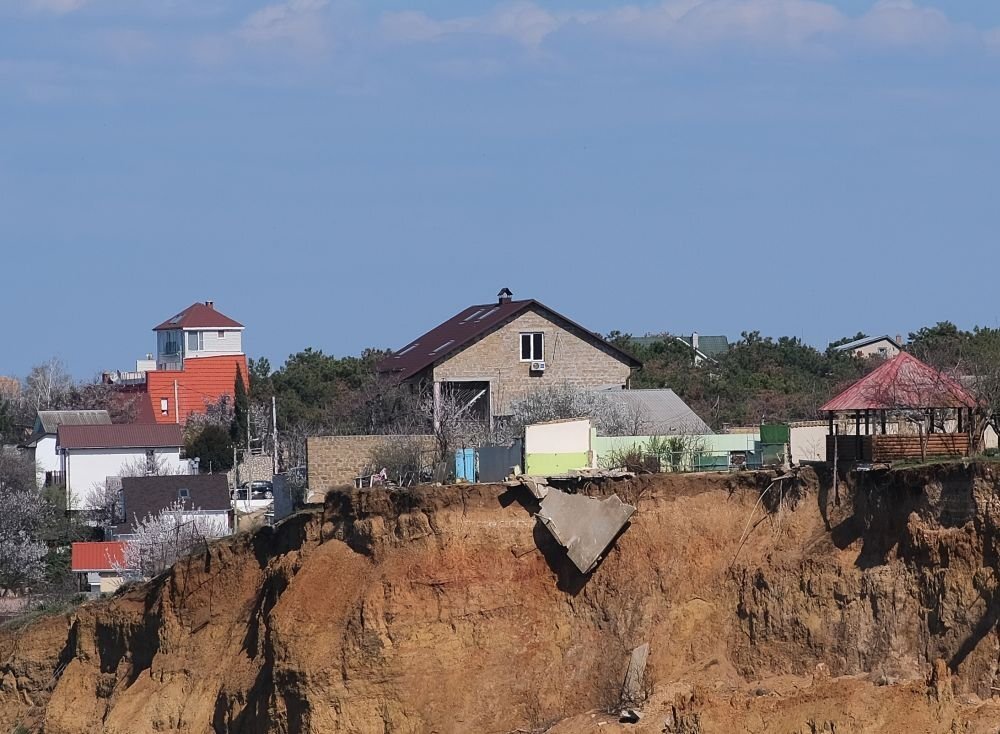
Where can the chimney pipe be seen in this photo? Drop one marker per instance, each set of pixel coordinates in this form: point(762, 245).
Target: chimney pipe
point(694, 339)
point(504, 296)
point(210, 304)
point(899, 339)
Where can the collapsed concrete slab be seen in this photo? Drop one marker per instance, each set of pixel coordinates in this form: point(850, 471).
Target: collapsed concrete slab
point(585, 526)
point(633, 689)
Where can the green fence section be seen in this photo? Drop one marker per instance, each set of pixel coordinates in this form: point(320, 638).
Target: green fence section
point(701, 452)
point(547, 465)
point(775, 433)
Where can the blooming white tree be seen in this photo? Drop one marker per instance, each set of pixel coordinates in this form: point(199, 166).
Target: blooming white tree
point(22, 514)
point(161, 539)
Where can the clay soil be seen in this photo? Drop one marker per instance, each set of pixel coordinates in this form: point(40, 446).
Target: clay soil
point(450, 609)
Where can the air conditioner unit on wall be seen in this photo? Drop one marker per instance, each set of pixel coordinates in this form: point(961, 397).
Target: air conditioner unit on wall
point(538, 366)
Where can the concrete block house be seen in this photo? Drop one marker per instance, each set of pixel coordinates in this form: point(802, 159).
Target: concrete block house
point(496, 353)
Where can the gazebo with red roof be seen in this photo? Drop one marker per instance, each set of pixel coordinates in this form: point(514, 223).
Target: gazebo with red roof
point(902, 386)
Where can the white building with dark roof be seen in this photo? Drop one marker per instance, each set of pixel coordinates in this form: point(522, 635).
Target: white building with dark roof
point(42, 443)
point(884, 347)
point(89, 455)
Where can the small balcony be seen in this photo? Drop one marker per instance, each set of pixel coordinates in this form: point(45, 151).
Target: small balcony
point(119, 377)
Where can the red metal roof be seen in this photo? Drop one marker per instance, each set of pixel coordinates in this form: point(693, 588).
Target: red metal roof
point(902, 382)
point(470, 324)
point(97, 556)
point(199, 316)
point(121, 436)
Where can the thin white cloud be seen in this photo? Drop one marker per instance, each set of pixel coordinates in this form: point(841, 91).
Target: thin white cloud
point(523, 22)
point(904, 23)
point(298, 22)
point(59, 7)
point(769, 23)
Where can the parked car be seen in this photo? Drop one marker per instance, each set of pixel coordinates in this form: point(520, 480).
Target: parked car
point(259, 490)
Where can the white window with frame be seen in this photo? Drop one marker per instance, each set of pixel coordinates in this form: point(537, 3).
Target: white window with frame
point(532, 346)
point(164, 406)
point(195, 341)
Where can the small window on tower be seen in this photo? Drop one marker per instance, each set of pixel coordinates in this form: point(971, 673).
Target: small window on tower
point(164, 406)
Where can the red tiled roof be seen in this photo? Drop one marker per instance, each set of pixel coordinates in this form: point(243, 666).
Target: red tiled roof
point(97, 556)
point(902, 382)
point(470, 324)
point(199, 316)
point(121, 436)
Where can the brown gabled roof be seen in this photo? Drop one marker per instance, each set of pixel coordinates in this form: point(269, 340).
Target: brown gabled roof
point(199, 316)
point(142, 496)
point(121, 436)
point(467, 326)
point(902, 382)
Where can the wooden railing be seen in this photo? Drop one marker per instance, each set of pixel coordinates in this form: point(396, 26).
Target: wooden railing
point(897, 448)
point(865, 449)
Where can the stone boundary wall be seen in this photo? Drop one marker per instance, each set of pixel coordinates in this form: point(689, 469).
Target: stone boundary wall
point(338, 460)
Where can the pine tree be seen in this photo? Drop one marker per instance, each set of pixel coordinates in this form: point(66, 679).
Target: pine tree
point(241, 412)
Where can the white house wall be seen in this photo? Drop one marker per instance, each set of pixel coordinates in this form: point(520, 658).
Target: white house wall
point(213, 345)
point(561, 437)
point(83, 468)
point(46, 458)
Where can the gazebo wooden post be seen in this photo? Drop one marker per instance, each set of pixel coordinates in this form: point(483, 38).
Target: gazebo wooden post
point(868, 421)
point(883, 421)
point(930, 427)
point(857, 435)
point(829, 415)
point(961, 415)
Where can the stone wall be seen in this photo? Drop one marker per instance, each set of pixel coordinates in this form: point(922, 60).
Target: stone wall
point(338, 460)
point(570, 358)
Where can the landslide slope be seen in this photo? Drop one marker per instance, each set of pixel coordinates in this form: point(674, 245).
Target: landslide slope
point(449, 609)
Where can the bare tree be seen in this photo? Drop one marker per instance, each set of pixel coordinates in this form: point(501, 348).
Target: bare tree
point(47, 385)
point(103, 502)
point(151, 465)
point(611, 417)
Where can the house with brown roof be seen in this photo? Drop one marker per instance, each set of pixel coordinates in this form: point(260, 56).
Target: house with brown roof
point(489, 355)
point(197, 495)
point(41, 445)
point(90, 454)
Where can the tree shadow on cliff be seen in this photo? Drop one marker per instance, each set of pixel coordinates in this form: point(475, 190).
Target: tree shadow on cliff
point(986, 624)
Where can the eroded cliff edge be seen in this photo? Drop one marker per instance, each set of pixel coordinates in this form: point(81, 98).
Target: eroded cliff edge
point(450, 609)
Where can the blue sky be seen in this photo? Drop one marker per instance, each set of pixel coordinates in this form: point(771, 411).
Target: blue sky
point(345, 174)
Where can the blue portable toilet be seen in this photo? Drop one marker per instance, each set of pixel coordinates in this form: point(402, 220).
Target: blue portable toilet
point(465, 465)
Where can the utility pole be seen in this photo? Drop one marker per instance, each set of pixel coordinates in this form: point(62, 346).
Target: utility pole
point(274, 433)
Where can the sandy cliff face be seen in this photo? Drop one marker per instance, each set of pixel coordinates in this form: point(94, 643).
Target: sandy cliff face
point(450, 609)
